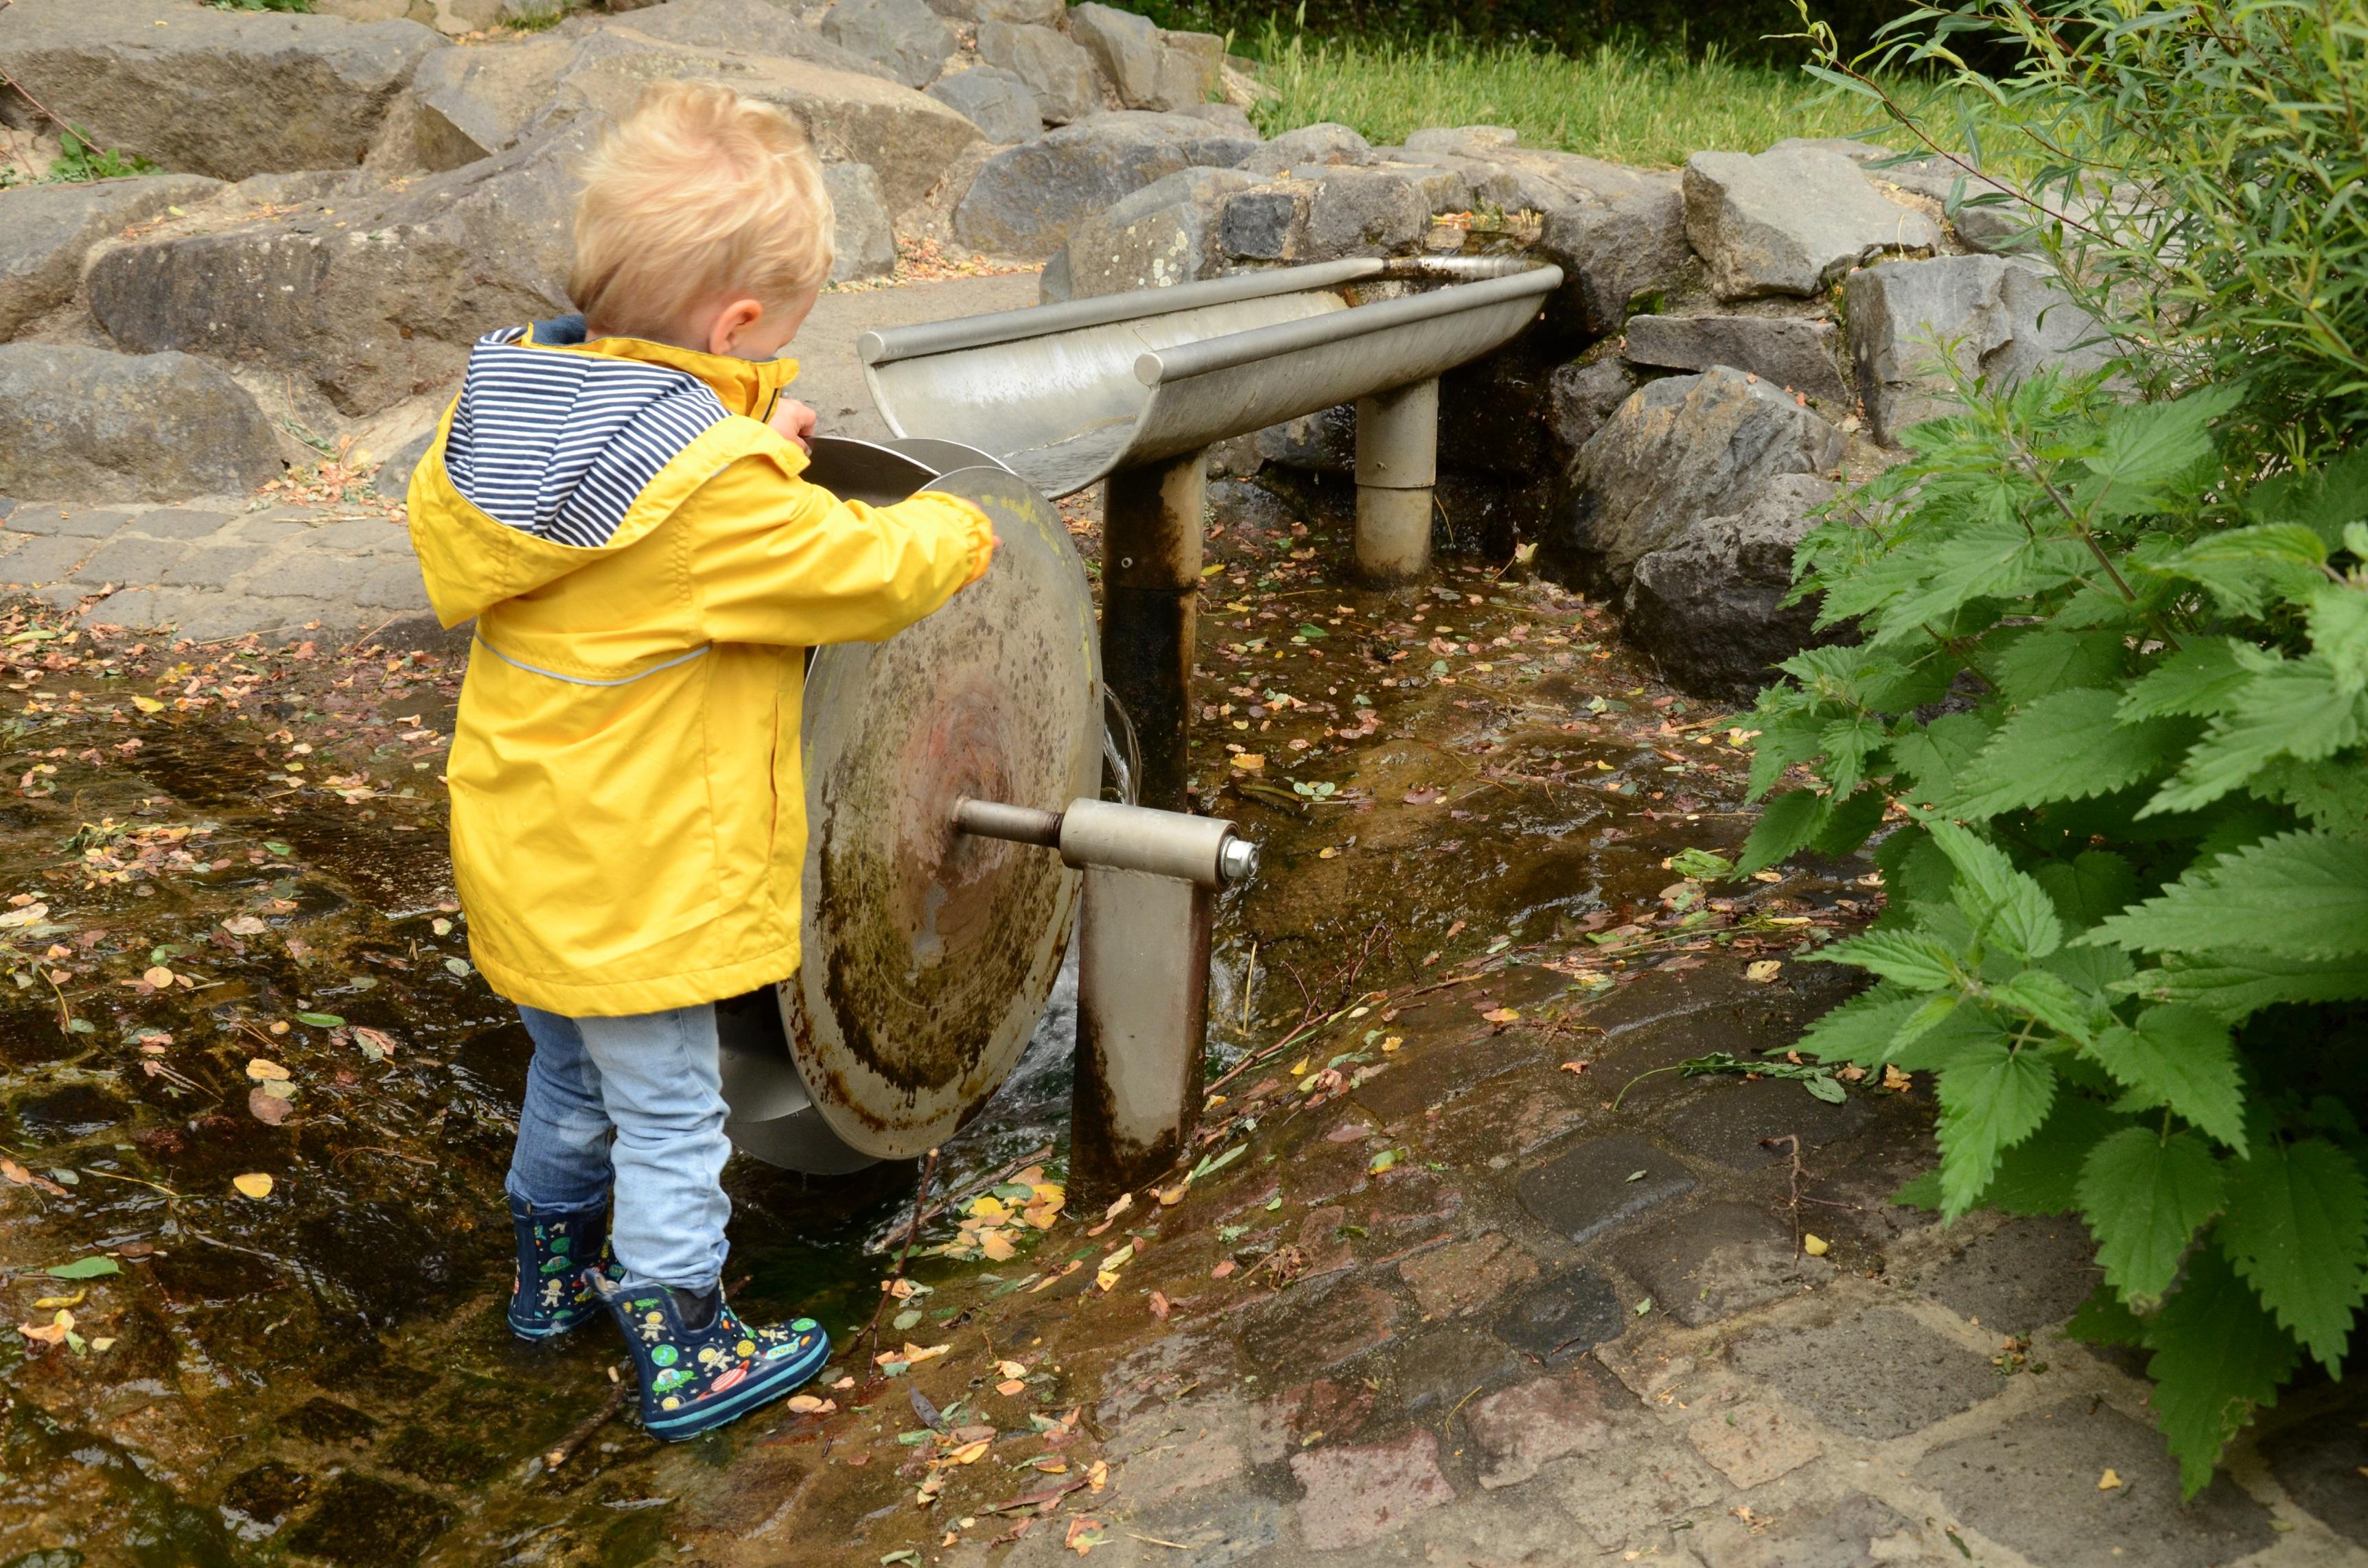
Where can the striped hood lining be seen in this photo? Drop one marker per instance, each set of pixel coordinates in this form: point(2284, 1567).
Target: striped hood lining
point(560, 445)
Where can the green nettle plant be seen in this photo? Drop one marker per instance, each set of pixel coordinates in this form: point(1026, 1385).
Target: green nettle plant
point(2109, 692)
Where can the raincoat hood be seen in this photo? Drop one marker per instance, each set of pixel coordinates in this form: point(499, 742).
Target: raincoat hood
point(555, 451)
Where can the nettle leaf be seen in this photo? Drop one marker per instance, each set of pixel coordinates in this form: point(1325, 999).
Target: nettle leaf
point(2300, 895)
point(2327, 500)
point(2199, 679)
point(2338, 633)
point(2065, 747)
point(2000, 559)
point(1934, 755)
point(2145, 1196)
point(1847, 743)
point(2151, 451)
point(2247, 568)
point(2218, 1358)
point(1790, 821)
point(2051, 1000)
point(2042, 1174)
point(2090, 886)
point(1786, 739)
point(2038, 663)
point(2293, 709)
point(1909, 958)
point(1861, 1028)
point(2333, 794)
point(2297, 1230)
point(2233, 986)
point(1992, 1098)
point(1847, 825)
point(2183, 1057)
point(2006, 907)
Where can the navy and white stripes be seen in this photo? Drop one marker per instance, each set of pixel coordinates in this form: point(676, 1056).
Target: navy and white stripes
point(560, 445)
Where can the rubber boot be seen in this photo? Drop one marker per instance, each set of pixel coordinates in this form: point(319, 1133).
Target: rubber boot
point(549, 1293)
point(702, 1367)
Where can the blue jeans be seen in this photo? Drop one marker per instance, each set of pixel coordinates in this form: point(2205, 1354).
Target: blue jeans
point(652, 1082)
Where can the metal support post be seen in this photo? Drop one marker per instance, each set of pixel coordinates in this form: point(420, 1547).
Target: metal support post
point(1143, 1012)
point(1397, 464)
point(1151, 571)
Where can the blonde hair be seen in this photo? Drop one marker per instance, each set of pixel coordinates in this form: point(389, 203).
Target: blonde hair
point(698, 193)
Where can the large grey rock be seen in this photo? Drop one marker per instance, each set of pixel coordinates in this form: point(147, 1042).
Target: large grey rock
point(1682, 449)
point(863, 239)
point(1464, 140)
point(1151, 67)
point(1324, 143)
point(1580, 397)
point(46, 230)
point(221, 93)
point(994, 101)
point(2004, 318)
point(749, 27)
point(1029, 11)
point(1355, 211)
point(1164, 234)
point(1059, 72)
point(519, 90)
point(83, 424)
point(1792, 221)
point(1709, 606)
point(1797, 355)
point(373, 305)
point(906, 36)
point(1024, 201)
point(1618, 251)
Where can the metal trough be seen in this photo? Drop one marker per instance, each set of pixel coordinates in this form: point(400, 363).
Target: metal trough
point(1131, 389)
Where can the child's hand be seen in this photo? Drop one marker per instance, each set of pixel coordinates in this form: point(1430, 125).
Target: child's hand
point(795, 420)
point(993, 543)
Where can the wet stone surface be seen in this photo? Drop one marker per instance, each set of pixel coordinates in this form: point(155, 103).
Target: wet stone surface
point(1821, 1364)
point(1586, 1190)
point(1711, 1261)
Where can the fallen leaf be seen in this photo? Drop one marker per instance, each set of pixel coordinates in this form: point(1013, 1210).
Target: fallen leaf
point(31, 914)
point(267, 1108)
point(1249, 762)
point(1159, 1307)
point(1009, 1387)
point(1761, 973)
point(969, 1453)
point(245, 926)
point(2109, 1482)
point(377, 1044)
point(321, 1020)
point(24, 1177)
point(1382, 1162)
point(51, 1333)
point(261, 1068)
point(1503, 1015)
point(147, 704)
point(1222, 1269)
point(1096, 1475)
point(915, 1354)
point(1578, 1066)
point(1170, 1197)
point(1893, 1078)
point(106, 1343)
point(1816, 1245)
point(996, 1246)
point(90, 1267)
point(807, 1404)
point(46, 1303)
point(1084, 1535)
point(254, 1183)
point(158, 976)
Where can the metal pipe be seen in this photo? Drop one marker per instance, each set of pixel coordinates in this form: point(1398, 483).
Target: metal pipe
point(1143, 1015)
point(1151, 579)
point(1105, 834)
point(1397, 466)
point(887, 345)
point(1212, 354)
point(1015, 825)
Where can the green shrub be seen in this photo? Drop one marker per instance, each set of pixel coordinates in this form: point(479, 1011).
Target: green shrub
point(2112, 689)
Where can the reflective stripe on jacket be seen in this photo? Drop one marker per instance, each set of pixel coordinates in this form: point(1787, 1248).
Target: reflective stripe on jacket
point(646, 568)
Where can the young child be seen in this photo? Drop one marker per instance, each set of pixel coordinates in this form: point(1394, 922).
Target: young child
point(616, 498)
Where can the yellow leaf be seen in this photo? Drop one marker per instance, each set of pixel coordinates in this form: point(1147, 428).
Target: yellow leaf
point(1011, 1369)
point(1170, 1197)
point(1119, 1259)
point(1893, 1078)
point(989, 1207)
point(1105, 1279)
point(1502, 1015)
point(996, 1246)
point(1098, 1474)
point(158, 976)
point(1815, 1245)
point(147, 705)
point(1761, 973)
point(915, 1354)
point(1010, 1386)
point(46, 1303)
point(1119, 1205)
point(1249, 762)
point(2109, 1482)
point(807, 1404)
point(969, 1453)
point(1390, 1043)
point(262, 1069)
point(254, 1183)
point(107, 1343)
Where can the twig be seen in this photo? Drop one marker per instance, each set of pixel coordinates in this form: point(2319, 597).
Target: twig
point(560, 1452)
point(1794, 1205)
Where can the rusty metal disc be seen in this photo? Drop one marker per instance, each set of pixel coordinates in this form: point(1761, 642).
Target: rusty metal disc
point(929, 955)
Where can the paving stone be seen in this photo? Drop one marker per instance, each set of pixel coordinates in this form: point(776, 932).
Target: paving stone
point(1565, 1315)
point(1728, 1123)
point(1461, 1275)
point(178, 522)
point(1855, 1532)
point(1311, 1327)
point(1518, 1429)
point(130, 560)
point(393, 584)
point(1441, 1368)
point(8, 507)
point(1585, 1191)
point(1871, 1371)
point(1206, 1533)
point(80, 522)
point(1323, 1407)
point(1709, 1263)
point(264, 529)
point(2021, 1277)
point(1355, 1496)
point(145, 608)
point(2030, 1483)
point(1628, 1491)
point(1188, 1462)
point(212, 565)
point(44, 559)
point(1752, 1444)
point(359, 535)
point(2323, 1464)
point(310, 574)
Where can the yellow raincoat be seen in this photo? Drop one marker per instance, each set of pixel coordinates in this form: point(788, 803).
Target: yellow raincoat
point(645, 567)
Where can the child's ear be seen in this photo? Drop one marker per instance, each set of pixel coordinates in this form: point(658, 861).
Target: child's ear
point(734, 320)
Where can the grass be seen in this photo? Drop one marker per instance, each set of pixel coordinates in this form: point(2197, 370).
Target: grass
point(1622, 104)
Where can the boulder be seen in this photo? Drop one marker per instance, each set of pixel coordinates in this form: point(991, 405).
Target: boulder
point(1681, 449)
point(1057, 70)
point(1325, 441)
point(221, 93)
point(864, 243)
point(1025, 200)
point(1796, 354)
point(1151, 68)
point(1617, 252)
point(906, 36)
point(1164, 234)
point(1269, 224)
point(1354, 211)
point(393, 480)
point(2004, 317)
point(46, 230)
point(1709, 606)
point(1464, 140)
point(750, 27)
point(83, 425)
point(1324, 143)
point(1035, 12)
point(1581, 395)
point(1792, 221)
point(375, 303)
point(522, 89)
point(994, 101)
